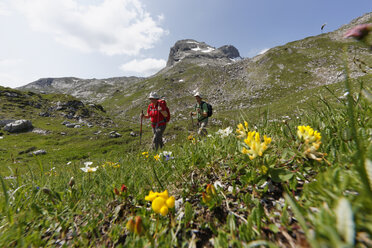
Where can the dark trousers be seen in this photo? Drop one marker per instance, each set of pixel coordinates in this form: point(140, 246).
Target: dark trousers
point(157, 140)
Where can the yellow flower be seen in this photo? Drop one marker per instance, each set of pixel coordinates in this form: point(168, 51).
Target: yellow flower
point(312, 142)
point(145, 154)
point(157, 157)
point(161, 202)
point(158, 205)
point(116, 165)
point(308, 134)
point(111, 164)
point(152, 195)
point(242, 130)
point(256, 147)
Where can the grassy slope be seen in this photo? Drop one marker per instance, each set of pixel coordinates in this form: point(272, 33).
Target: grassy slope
point(92, 215)
point(243, 211)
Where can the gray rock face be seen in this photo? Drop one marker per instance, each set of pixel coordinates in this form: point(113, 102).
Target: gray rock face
point(192, 49)
point(230, 51)
point(5, 122)
point(96, 90)
point(18, 126)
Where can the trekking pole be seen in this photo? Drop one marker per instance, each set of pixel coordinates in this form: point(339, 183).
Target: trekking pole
point(192, 122)
point(141, 127)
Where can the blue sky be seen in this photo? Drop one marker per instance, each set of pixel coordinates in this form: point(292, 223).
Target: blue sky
point(112, 38)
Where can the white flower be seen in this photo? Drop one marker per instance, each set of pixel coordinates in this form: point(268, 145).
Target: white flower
point(218, 184)
point(69, 162)
point(89, 169)
point(166, 155)
point(225, 132)
point(88, 164)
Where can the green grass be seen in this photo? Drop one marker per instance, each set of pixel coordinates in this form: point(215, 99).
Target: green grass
point(292, 195)
point(277, 206)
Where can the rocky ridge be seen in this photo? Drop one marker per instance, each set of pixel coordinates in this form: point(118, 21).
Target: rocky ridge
point(15, 104)
point(96, 90)
point(201, 52)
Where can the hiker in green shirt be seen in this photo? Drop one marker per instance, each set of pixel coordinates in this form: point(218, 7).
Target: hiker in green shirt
point(201, 110)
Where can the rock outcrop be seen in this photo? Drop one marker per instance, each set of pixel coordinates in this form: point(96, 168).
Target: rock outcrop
point(194, 50)
point(18, 126)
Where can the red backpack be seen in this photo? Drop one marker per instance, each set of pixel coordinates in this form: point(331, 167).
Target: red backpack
point(163, 102)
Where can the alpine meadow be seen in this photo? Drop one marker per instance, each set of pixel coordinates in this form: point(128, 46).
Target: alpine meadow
point(287, 161)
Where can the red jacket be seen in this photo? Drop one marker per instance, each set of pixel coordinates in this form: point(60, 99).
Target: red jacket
point(156, 116)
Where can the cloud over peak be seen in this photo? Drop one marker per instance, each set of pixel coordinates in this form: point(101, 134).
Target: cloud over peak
point(111, 27)
point(144, 67)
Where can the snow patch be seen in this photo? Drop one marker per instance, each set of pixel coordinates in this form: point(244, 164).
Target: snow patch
point(208, 50)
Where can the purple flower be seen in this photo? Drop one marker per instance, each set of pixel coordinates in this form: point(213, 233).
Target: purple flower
point(359, 32)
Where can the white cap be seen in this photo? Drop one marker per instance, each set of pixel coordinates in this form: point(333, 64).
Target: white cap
point(153, 95)
point(198, 94)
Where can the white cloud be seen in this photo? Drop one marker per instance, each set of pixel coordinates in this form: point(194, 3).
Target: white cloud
point(4, 10)
point(10, 75)
point(10, 79)
point(110, 27)
point(10, 62)
point(145, 67)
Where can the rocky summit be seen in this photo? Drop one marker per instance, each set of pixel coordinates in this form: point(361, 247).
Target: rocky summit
point(193, 50)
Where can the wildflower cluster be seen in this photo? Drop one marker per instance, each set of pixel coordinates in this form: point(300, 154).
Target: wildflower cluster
point(192, 139)
point(161, 202)
point(123, 190)
point(165, 155)
point(242, 130)
point(312, 141)
point(87, 168)
point(111, 164)
point(157, 157)
point(308, 134)
point(223, 133)
point(256, 147)
point(145, 154)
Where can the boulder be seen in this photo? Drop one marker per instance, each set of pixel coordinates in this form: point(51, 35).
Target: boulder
point(114, 134)
point(5, 122)
point(18, 126)
point(38, 152)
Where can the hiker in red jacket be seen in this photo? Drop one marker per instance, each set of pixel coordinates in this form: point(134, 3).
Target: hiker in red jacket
point(158, 114)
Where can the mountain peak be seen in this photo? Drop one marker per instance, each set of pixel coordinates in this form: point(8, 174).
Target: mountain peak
point(192, 49)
